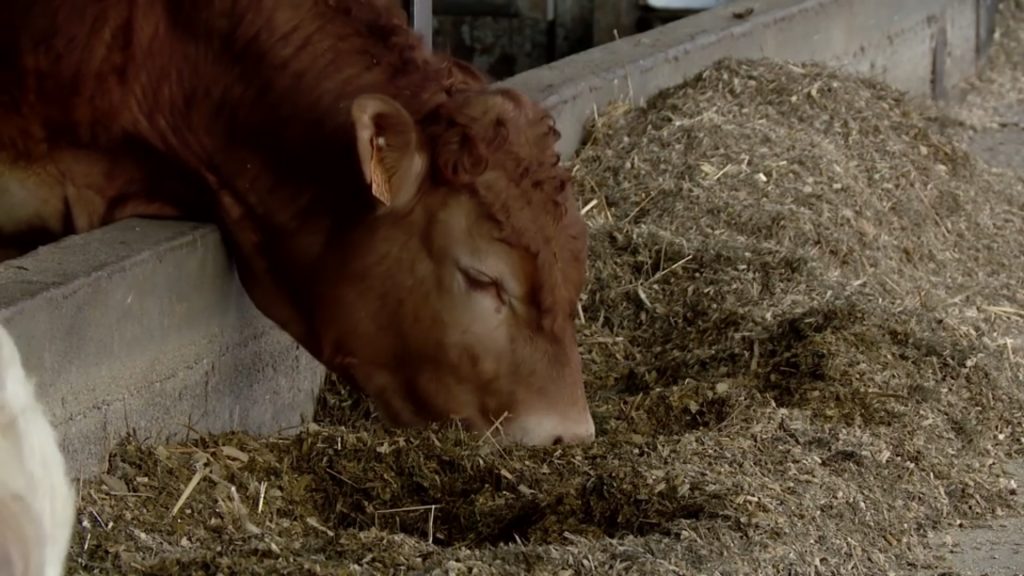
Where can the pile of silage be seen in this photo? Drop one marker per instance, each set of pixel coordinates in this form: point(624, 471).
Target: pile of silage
point(802, 333)
point(786, 225)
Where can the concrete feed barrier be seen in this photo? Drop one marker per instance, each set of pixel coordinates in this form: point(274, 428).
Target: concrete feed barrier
point(143, 326)
point(925, 47)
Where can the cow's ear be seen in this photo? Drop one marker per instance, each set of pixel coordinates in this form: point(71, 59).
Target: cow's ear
point(21, 537)
point(390, 151)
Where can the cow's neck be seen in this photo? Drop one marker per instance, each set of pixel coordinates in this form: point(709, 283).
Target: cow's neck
point(264, 115)
point(260, 112)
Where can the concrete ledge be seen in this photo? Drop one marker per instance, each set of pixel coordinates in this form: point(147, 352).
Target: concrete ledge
point(893, 40)
point(143, 325)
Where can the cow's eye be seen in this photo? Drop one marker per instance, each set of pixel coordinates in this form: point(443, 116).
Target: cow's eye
point(483, 282)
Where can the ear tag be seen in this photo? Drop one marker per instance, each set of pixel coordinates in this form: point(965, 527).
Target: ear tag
point(380, 182)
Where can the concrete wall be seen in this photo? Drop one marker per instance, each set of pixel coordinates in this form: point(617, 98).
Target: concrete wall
point(894, 40)
point(143, 326)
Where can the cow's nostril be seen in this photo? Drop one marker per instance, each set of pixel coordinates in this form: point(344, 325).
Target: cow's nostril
point(546, 430)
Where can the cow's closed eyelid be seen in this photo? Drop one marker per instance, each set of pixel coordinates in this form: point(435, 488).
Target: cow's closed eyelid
point(482, 281)
point(479, 279)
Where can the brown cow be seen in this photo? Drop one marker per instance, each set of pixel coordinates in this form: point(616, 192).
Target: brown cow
point(77, 190)
point(398, 217)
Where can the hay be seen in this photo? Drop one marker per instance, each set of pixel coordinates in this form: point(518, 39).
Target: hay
point(803, 339)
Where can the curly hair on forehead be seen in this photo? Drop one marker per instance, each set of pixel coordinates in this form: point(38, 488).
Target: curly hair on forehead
point(493, 129)
point(499, 131)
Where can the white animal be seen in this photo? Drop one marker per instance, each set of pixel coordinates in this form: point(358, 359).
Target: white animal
point(37, 500)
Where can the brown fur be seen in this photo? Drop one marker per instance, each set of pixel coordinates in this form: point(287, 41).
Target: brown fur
point(254, 98)
point(545, 223)
point(76, 190)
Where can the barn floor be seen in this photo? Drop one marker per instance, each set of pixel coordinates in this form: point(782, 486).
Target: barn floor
point(804, 341)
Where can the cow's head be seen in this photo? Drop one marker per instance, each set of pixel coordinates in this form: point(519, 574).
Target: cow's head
point(457, 298)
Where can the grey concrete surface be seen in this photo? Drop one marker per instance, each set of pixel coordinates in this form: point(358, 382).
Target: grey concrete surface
point(143, 325)
point(991, 549)
point(1003, 146)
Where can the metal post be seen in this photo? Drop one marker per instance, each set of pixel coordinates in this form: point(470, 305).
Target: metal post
point(552, 30)
point(987, 10)
point(421, 14)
